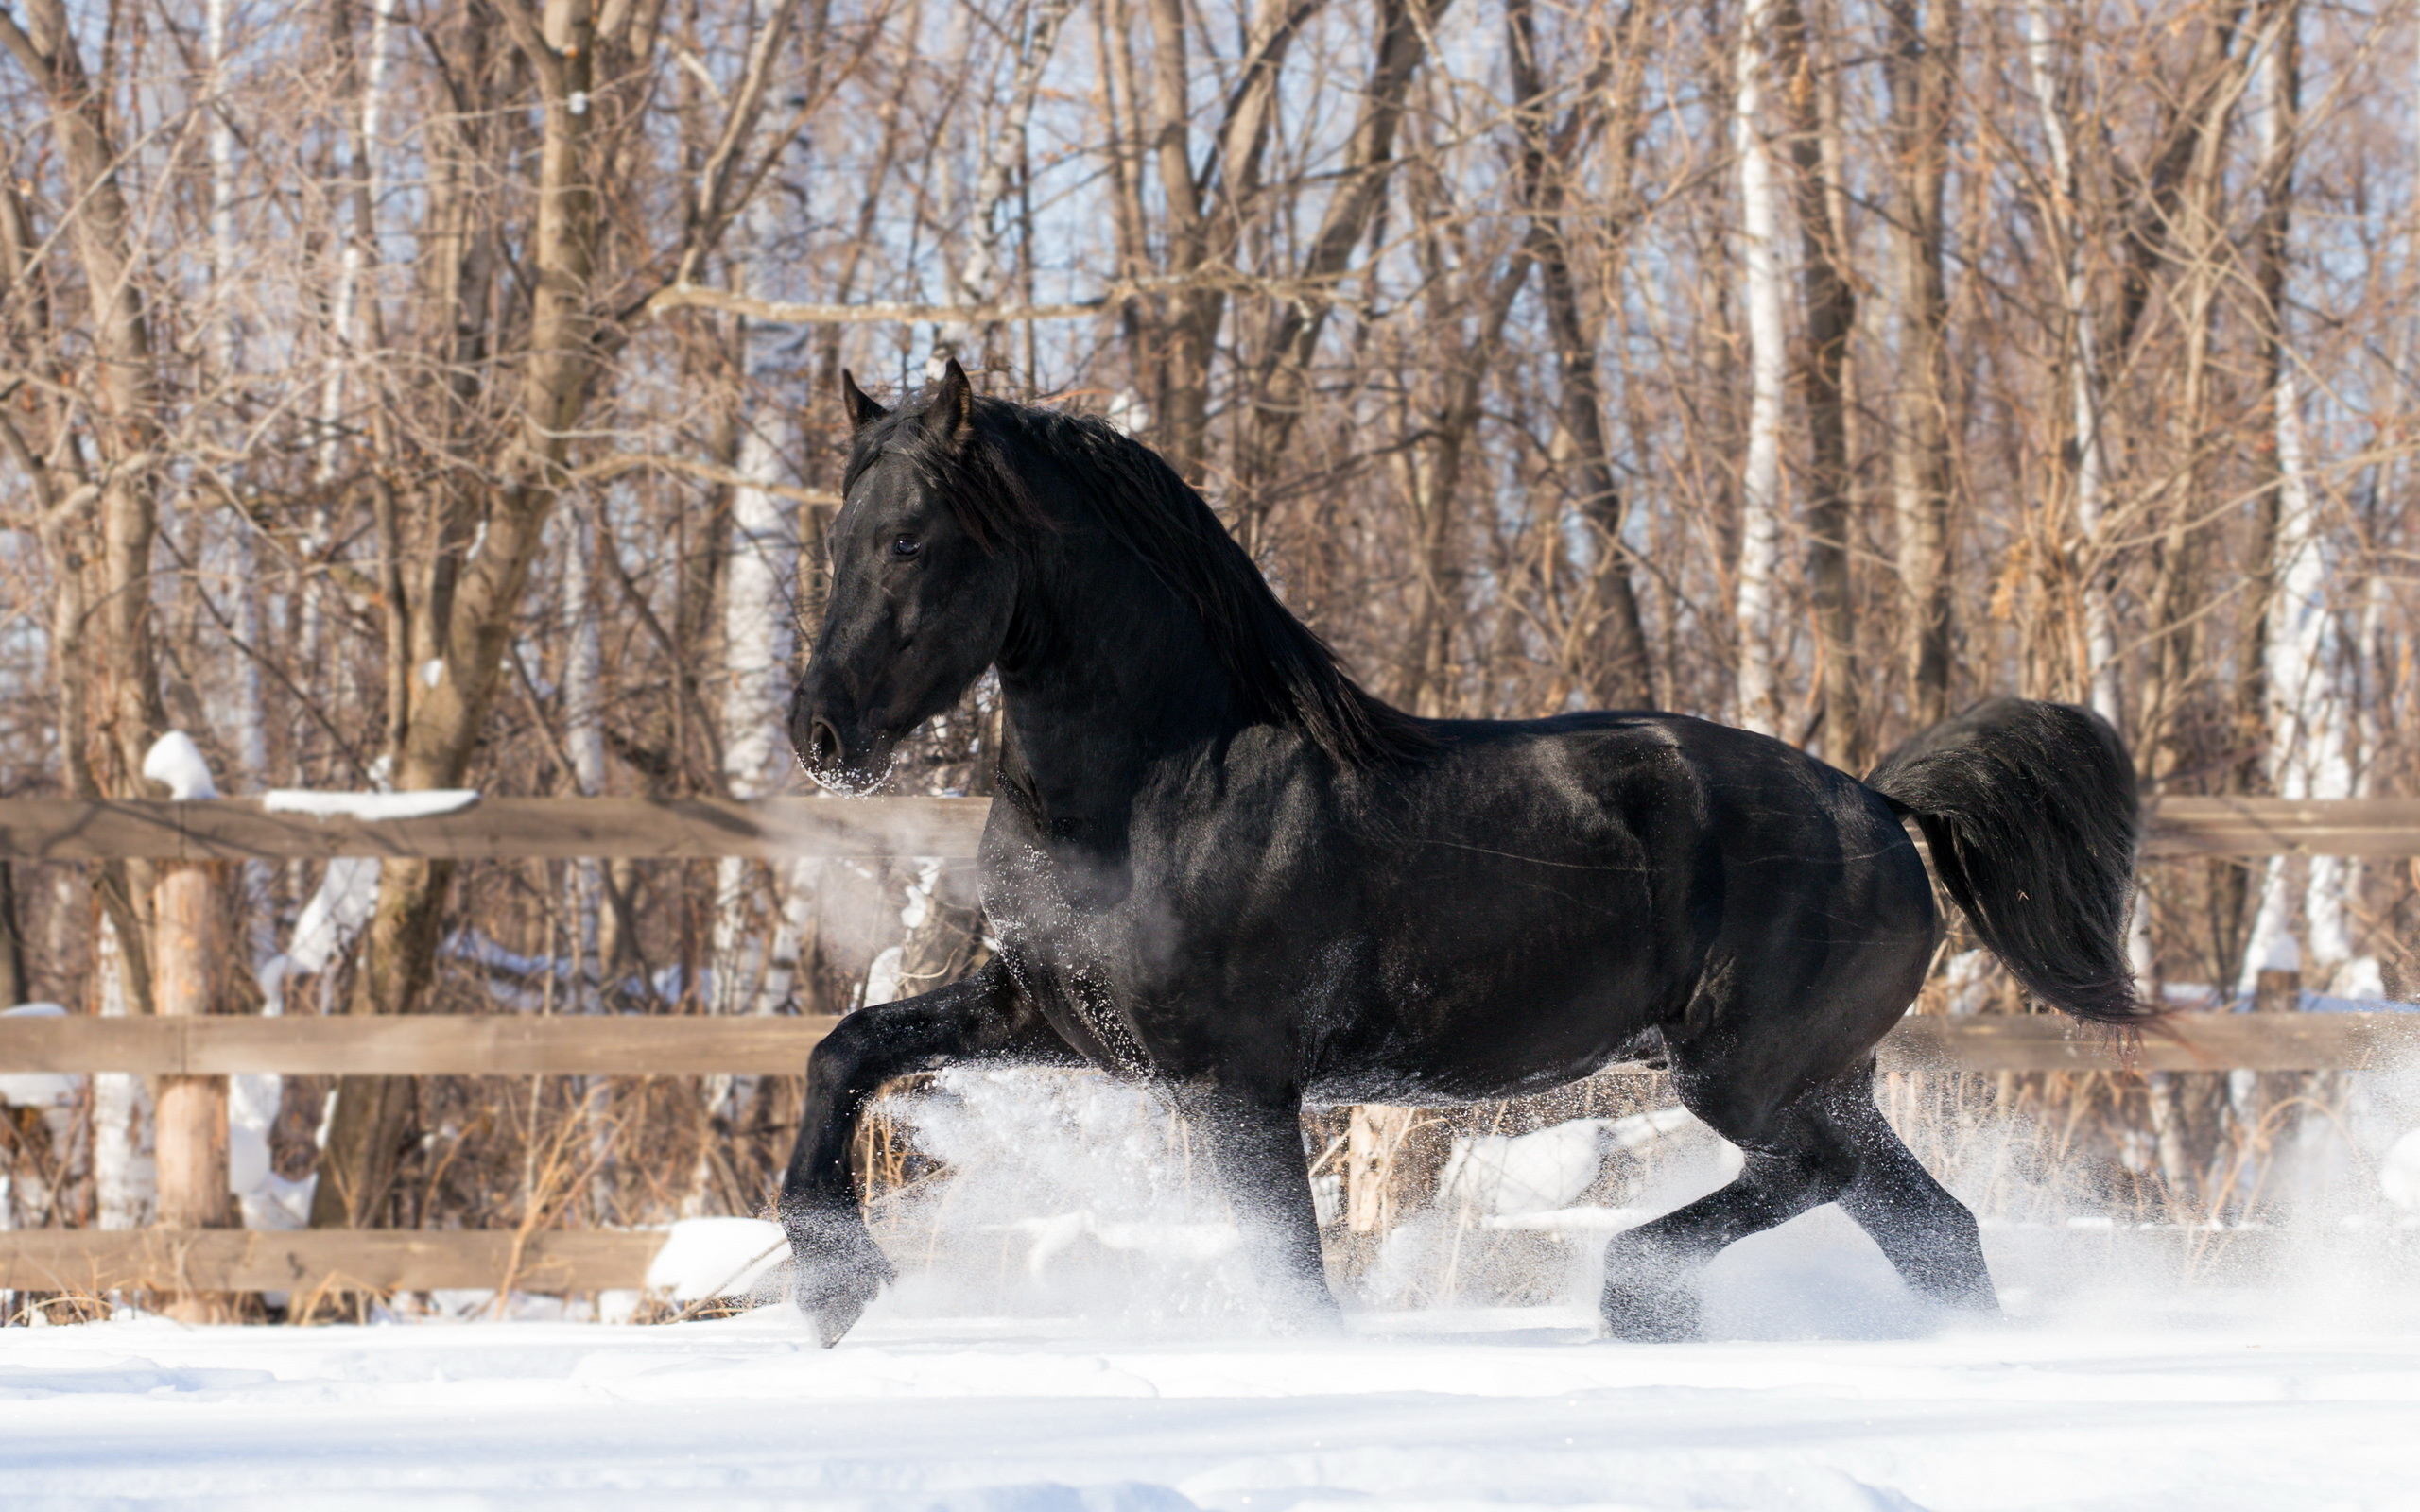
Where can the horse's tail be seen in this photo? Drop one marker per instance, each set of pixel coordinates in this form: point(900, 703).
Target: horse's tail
point(2031, 813)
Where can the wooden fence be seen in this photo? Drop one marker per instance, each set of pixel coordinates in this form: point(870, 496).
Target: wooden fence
point(694, 1045)
point(697, 829)
point(237, 829)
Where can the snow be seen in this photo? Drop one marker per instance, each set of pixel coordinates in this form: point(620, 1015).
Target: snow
point(2144, 1400)
point(425, 803)
point(2399, 1173)
point(346, 897)
point(716, 1257)
point(1072, 1331)
point(176, 763)
point(1505, 1177)
point(337, 910)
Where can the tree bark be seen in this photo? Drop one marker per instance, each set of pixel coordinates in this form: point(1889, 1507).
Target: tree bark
point(1920, 67)
point(2310, 726)
point(118, 680)
point(1190, 329)
point(1549, 160)
point(983, 274)
point(1827, 287)
point(14, 985)
point(1280, 388)
point(2098, 650)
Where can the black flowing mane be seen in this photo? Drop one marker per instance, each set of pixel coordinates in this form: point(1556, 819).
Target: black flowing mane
point(1281, 669)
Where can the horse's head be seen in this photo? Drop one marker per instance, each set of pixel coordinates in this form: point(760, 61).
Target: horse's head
point(921, 593)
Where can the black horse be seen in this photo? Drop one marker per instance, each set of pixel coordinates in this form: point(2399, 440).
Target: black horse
point(1217, 865)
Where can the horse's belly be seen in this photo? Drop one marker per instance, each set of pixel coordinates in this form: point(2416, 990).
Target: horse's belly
point(1495, 1032)
point(1428, 982)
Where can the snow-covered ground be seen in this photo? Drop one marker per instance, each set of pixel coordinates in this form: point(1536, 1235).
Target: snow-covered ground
point(1072, 1333)
point(2116, 1397)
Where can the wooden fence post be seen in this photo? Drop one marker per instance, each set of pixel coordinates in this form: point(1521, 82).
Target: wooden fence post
point(1373, 1144)
point(190, 1138)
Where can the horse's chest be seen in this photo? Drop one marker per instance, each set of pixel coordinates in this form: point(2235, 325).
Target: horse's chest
point(1079, 994)
point(1110, 981)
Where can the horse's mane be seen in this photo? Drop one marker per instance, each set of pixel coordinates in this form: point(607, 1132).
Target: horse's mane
point(1281, 669)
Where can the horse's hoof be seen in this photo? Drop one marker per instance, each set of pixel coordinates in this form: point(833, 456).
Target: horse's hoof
point(834, 1274)
point(833, 1300)
point(1650, 1314)
point(831, 1324)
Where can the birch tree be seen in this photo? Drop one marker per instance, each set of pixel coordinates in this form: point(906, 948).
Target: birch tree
point(2098, 648)
point(1755, 614)
point(1920, 67)
point(2310, 724)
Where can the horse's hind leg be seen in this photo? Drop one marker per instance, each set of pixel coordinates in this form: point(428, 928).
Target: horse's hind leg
point(1796, 1162)
point(1926, 1234)
point(838, 1266)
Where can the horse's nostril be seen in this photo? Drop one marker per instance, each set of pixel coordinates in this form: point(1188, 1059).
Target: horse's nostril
point(824, 743)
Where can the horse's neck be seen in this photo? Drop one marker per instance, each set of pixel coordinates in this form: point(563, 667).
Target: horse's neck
point(1126, 681)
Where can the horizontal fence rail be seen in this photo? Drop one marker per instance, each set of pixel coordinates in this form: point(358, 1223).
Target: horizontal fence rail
point(416, 1045)
point(678, 829)
point(2383, 827)
point(541, 828)
point(692, 1045)
point(2183, 1041)
point(98, 1260)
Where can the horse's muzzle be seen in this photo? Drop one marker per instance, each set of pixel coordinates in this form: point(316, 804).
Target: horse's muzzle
point(829, 756)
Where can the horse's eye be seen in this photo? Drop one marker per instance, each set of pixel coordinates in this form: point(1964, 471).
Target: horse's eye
point(905, 547)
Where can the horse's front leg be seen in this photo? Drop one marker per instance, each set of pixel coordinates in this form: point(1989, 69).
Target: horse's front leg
point(1256, 1141)
point(837, 1265)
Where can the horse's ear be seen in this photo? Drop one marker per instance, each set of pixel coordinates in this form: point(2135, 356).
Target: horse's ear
point(953, 408)
point(862, 410)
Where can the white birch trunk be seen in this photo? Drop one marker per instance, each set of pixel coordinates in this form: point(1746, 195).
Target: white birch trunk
point(2084, 378)
point(2310, 724)
point(344, 317)
point(585, 743)
point(979, 278)
point(252, 1099)
point(125, 1188)
point(760, 610)
point(1760, 492)
point(583, 728)
point(759, 606)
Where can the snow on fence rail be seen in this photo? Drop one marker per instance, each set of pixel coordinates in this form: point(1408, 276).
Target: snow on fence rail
point(677, 829)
